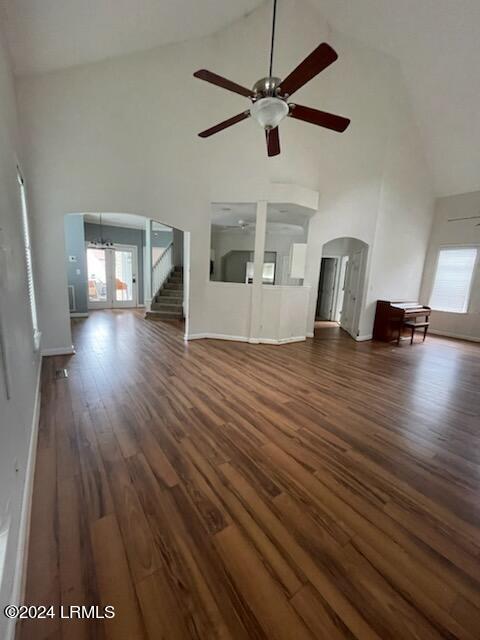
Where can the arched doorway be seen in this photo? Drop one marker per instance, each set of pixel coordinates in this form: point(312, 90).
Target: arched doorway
point(123, 260)
point(341, 284)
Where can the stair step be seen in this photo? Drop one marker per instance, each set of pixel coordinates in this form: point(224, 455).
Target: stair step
point(170, 293)
point(158, 315)
point(166, 306)
point(174, 285)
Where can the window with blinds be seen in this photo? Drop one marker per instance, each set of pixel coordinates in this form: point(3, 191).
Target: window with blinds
point(453, 279)
point(28, 262)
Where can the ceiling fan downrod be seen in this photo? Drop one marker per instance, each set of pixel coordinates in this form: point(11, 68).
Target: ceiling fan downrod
point(274, 19)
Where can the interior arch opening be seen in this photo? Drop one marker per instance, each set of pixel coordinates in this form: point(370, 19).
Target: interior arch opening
point(118, 261)
point(341, 285)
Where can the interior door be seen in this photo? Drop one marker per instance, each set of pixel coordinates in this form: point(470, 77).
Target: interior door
point(327, 288)
point(352, 286)
point(112, 277)
point(338, 305)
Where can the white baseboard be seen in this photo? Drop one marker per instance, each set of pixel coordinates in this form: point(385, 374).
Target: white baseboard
point(215, 336)
point(310, 334)
point(458, 336)
point(58, 351)
point(368, 336)
point(18, 591)
point(222, 336)
point(78, 315)
point(282, 340)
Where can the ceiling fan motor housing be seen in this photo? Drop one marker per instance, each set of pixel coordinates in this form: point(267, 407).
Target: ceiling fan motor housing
point(266, 87)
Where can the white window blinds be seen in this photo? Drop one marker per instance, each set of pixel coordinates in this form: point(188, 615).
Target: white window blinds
point(29, 265)
point(453, 279)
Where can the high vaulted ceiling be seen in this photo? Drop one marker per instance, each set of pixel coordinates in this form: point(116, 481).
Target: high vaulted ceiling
point(50, 34)
point(438, 45)
point(436, 41)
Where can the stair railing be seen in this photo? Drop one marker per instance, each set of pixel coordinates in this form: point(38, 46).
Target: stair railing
point(162, 269)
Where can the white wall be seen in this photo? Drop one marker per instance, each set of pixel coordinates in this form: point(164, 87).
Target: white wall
point(386, 200)
point(119, 135)
point(16, 414)
point(466, 232)
point(283, 313)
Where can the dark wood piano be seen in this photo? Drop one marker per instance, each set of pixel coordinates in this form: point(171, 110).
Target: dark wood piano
point(393, 319)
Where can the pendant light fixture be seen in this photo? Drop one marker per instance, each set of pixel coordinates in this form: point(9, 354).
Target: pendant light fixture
point(101, 241)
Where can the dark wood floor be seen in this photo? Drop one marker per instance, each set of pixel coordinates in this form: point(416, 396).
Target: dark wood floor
point(326, 489)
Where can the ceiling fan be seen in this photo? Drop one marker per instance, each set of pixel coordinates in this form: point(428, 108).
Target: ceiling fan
point(240, 225)
point(269, 96)
point(466, 218)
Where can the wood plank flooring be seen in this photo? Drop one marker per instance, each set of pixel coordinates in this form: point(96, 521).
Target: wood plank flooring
point(318, 490)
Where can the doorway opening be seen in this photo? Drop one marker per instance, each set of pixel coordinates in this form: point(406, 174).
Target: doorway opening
point(112, 276)
point(340, 285)
point(122, 260)
point(331, 289)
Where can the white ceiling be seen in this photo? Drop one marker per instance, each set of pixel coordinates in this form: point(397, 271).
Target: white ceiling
point(50, 34)
point(438, 45)
point(241, 216)
point(436, 41)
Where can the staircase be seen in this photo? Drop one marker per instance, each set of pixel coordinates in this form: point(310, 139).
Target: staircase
point(168, 302)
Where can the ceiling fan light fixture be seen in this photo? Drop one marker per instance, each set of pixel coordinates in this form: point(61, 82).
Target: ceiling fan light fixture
point(269, 112)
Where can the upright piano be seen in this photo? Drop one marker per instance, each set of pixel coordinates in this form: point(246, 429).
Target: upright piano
point(391, 318)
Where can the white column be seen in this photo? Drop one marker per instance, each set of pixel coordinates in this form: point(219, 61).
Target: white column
point(147, 266)
point(256, 296)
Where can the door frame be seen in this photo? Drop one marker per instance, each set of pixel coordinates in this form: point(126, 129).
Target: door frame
point(110, 302)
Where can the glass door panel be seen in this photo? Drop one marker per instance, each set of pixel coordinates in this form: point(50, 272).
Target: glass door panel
point(124, 277)
point(97, 277)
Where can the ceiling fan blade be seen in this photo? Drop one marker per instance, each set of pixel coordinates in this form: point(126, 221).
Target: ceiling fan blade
point(317, 61)
point(320, 118)
point(213, 78)
point(226, 123)
point(273, 142)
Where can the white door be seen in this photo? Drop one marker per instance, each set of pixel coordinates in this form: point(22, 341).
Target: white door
point(352, 293)
point(112, 277)
point(337, 315)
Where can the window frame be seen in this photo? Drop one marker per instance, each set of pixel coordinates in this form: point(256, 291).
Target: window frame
point(447, 247)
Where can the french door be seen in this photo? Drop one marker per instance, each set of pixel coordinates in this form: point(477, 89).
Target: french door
point(112, 276)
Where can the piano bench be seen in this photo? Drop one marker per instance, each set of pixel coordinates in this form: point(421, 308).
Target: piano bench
point(411, 324)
